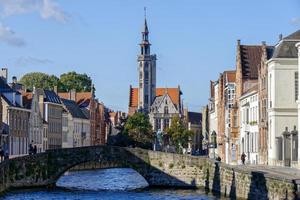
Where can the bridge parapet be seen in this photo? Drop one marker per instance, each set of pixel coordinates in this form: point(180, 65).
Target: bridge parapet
point(158, 168)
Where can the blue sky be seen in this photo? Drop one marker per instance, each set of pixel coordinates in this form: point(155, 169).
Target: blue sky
point(194, 39)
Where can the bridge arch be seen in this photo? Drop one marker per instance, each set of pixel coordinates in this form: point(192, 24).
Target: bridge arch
point(62, 160)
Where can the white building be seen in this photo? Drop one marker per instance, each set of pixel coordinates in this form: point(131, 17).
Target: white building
point(76, 125)
point(14, 136)
point(36, 127)
point(229, 96)
point(282, 100)
point(249, 125)
point(298, 47)
point(162, 111)
point(213, 112)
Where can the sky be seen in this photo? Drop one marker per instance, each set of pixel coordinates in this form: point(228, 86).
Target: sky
point(194, 40)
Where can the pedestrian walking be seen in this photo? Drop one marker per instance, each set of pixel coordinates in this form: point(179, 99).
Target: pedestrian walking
point(243, 158)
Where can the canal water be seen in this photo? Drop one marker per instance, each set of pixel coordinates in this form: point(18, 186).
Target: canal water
point(105, 184)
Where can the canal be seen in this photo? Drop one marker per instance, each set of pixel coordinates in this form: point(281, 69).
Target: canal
point(105, 184)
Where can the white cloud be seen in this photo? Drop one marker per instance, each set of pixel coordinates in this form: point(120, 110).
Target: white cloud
point(8, 36)
point(31, 61)
point(295, 21)
point(47, 9)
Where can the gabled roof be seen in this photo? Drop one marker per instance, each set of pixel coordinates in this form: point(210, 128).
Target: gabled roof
point(230, 76)
point(4, 87)
point(286, 48)
point(174, 94)
point(10, 103)
point(250, 60)
point(195, 117)
point(73, 109)
point(160, 100)
point(82, 98)
point(294, 36)
point(51, 96)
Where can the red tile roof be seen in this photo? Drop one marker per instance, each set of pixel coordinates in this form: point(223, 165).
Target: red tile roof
point(174, 94)
point(250, 60)
point(27, 98)
point(230, 75)
point(80, 97)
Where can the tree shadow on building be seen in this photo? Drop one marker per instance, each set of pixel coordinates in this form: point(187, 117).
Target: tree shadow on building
point(216, 187)
point(258, 186)
point(232, 193)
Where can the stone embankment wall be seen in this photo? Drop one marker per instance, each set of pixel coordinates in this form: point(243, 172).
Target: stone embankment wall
point(221, 179)
point(158, 168)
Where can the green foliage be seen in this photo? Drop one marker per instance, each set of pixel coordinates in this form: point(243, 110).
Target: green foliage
point(39, 80)
point(72, 80)
point(171, 165)
point(178, 133)
point(66, 82)
point(139, 129)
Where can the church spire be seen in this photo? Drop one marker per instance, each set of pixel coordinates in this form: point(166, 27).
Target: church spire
point(145, 44)
point(145, 23)
point(147, 72)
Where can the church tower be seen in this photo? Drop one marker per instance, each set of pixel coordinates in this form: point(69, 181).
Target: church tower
point(147, 73)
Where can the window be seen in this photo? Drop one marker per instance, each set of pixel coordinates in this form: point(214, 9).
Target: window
point(270, 97)
point(166, 110)
point(146, 75)
point(166, 123)
point(146, 99)
point(296, 86)
point(158, 124)
point(247, 116)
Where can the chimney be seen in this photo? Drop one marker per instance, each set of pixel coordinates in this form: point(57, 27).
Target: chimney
point(239, 42)
point(280, 37)
point(14, 80)
point(55, 89)
point(4, 74)
point(73, 95)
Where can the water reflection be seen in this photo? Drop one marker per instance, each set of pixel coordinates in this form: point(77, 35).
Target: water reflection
point(105, 179)
point(108, 184)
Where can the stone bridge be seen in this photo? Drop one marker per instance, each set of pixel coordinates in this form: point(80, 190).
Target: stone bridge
point(158, 168)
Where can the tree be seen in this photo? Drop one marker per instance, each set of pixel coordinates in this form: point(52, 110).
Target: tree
point(139, 129)
point(67, 81)
point(72, 80)
point(178, 133)
point(39, 80)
